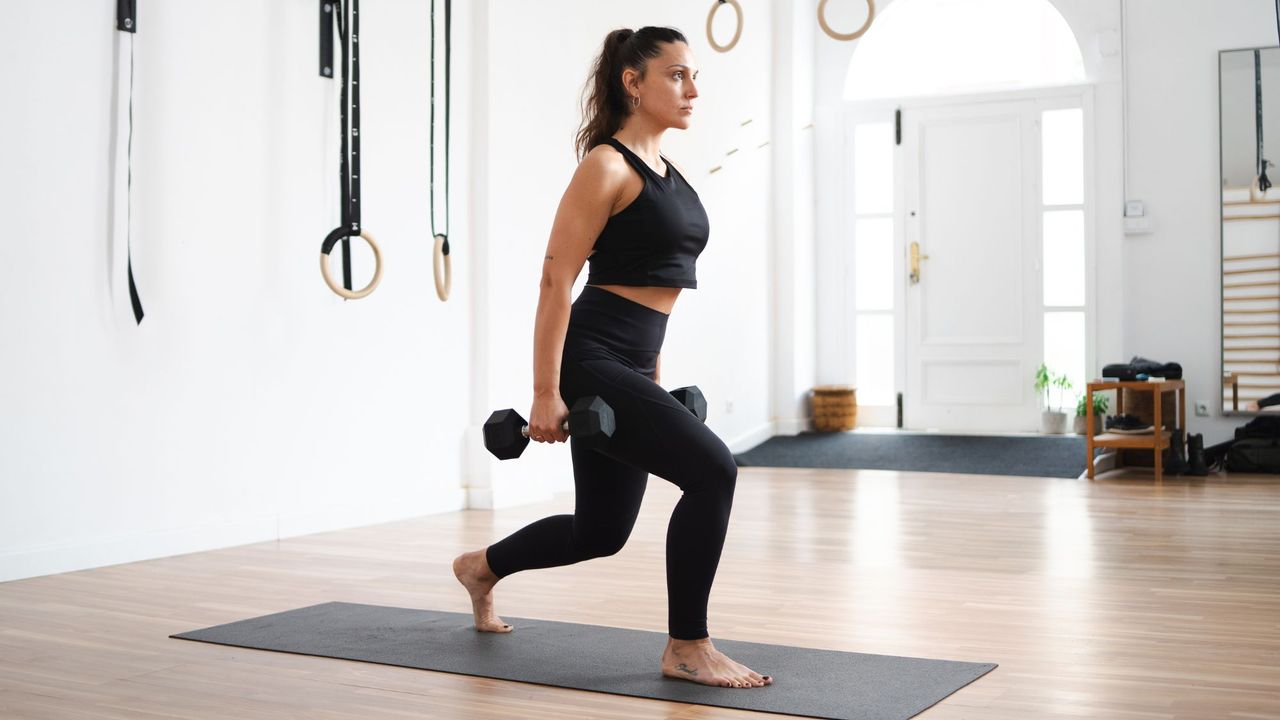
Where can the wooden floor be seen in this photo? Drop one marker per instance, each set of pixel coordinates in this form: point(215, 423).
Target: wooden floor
point(1112, 599)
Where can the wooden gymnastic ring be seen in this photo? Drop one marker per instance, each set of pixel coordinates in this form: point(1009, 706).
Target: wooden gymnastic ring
point(377, 269)
point(822, 20)
point(736, 33)
point(440, 252)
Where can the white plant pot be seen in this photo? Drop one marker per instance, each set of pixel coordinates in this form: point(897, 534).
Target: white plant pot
point(1053, 422)
point(1078, 425)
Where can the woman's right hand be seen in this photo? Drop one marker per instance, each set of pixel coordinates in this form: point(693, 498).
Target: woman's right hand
point(547, 418)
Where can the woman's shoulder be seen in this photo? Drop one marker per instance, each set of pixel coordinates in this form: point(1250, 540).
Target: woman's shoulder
point(604, 158)
point(603, 172)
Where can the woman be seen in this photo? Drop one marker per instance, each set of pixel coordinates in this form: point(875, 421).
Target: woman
point(647, 227)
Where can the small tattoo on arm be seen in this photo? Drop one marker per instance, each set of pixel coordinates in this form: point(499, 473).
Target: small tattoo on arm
point(550, 257)
point(686, 669)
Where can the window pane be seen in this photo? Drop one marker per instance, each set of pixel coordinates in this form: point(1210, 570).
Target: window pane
point(874, 356)
point(873, 168)
point(1064, 353)
point(1064, 258)
point(1062, 143)
point(873, 264)
point(932, 47)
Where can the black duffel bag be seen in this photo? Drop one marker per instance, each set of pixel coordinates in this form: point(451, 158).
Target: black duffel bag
point(1140, 365)
point(1263, 426)
point(1255, 455)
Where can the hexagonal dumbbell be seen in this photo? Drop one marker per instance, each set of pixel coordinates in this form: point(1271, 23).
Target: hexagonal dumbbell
point(691, 397)
point(591, 420)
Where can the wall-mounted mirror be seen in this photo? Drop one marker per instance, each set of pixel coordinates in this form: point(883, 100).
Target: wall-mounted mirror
point(1249, 112)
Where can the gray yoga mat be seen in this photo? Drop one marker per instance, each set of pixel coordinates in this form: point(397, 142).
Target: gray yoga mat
point(814, 683)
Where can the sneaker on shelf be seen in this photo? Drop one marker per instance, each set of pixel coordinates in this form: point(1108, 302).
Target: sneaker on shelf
point(1128, 425)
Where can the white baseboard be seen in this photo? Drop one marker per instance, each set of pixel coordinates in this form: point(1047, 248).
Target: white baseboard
point(90, 553)
point(506, 495)
point(346, 517)
point(791, 426)
point(745, 441)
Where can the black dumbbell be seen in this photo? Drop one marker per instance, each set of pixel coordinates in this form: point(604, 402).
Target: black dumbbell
point(691, 397)
point(506, 434)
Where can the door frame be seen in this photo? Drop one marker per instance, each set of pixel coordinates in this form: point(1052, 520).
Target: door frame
point(854, 112)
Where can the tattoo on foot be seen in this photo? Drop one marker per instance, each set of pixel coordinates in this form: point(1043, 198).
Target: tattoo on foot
point(686, 669)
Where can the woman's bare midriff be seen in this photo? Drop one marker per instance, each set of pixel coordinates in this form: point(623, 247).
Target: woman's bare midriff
point(661, 299)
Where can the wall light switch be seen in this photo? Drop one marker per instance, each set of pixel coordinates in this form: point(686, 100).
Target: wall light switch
point(1134, 208)
point(1138, 225)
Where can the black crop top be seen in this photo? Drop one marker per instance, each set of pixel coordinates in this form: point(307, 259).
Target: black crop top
point(657, 238)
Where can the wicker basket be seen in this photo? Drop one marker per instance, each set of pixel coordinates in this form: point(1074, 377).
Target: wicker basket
point(835, 408)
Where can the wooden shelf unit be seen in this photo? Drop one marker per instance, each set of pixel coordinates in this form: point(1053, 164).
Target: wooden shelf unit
point(1157, 441)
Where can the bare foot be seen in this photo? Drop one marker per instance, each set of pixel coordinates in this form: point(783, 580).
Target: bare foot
point(472, 570)
point(700, 662)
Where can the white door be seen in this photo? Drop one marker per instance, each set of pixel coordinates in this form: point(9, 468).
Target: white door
point(974, 328)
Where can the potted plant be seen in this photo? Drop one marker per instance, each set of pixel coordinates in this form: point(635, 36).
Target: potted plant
point(1053, 420)
point(1100, 404)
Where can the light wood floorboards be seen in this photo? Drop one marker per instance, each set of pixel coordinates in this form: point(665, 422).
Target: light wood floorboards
point(1112, 599)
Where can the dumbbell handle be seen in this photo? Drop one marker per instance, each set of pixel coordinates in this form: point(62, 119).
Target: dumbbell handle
point(524, 429)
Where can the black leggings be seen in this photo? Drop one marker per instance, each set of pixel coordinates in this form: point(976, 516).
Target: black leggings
point(611, 350)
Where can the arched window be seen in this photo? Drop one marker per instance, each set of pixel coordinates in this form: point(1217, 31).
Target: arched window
point(942, 47)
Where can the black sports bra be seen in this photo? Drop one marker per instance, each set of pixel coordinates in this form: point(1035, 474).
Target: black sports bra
point(657, 238)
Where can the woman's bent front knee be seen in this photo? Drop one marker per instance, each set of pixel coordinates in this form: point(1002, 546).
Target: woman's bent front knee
point(716, 474)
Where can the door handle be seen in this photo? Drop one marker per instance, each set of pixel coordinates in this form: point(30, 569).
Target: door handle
point(916, 257)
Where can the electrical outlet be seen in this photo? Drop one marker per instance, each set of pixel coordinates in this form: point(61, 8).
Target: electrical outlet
point(1202, 409)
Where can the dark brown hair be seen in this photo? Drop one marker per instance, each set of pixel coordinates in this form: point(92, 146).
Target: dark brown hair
point(605, 103)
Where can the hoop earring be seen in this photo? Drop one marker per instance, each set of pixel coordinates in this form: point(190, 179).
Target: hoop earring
point(635, 102)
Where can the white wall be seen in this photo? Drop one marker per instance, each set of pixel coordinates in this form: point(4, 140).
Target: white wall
point(1171, 276)
point(251, 403)
point(795, 293)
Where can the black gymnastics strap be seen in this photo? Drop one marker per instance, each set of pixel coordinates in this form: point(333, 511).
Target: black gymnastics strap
point(127, 21)
point(349, 179)
point(448, 106)
point(354, 197)
point(1264, 183)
